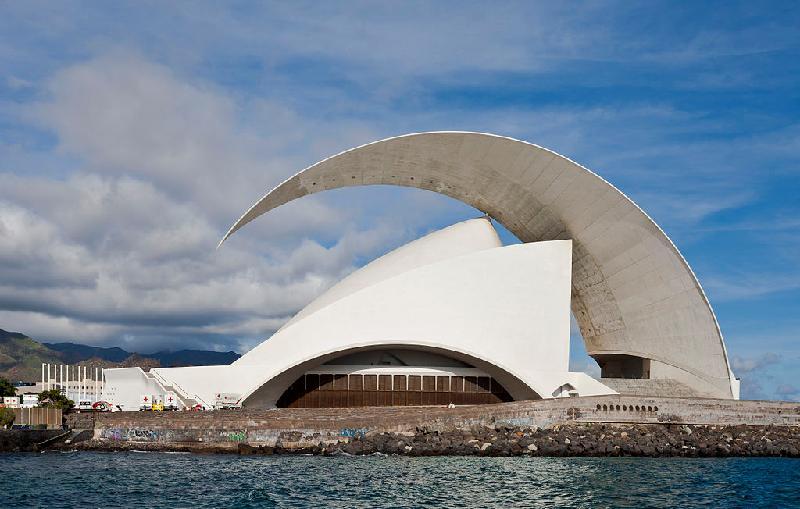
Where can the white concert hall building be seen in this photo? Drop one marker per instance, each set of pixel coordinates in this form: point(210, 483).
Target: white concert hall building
point(456, 317)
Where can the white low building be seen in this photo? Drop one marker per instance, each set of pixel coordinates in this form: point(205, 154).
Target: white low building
point(81, 384)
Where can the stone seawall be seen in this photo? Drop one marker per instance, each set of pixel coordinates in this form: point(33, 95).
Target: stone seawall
point(586, 426)
point(17, 440)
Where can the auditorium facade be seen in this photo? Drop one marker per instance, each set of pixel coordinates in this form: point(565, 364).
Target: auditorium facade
point(456, 317)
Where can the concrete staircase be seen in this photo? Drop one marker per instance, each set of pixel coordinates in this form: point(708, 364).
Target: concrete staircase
point(661, 387)
point(186, 401)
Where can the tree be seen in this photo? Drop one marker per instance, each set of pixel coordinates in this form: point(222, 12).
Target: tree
point(7, 388)
point(54, 399)
point(6, 417)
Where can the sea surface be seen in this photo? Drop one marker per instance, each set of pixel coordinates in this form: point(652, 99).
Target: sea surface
point(131, 479)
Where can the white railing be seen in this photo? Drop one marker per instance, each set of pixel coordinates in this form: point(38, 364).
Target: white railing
point(180, 391)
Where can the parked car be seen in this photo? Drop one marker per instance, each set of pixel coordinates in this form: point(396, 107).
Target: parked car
point(228, 400)
point(84, 405)
point(170, 401)
point(102, 406)
point(146, 402)
point(30, 400)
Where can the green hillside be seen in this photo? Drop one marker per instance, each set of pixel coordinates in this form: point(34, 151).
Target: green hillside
point(21, 357)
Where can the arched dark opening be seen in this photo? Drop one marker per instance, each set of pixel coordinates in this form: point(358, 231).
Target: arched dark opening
point(329, 390)
point(462, 378)
point(393, 377)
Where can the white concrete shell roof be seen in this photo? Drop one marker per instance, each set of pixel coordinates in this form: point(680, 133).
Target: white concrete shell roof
point(456, 292)
point(632, 291)
point(458, 239)
point(504, 310)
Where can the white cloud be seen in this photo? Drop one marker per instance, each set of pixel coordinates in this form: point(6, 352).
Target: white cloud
point(48, 328)
point(167, 162)
point(16, 83)
point(125, 245)
point(123, 115)
point(746, 365)
point(742, 286)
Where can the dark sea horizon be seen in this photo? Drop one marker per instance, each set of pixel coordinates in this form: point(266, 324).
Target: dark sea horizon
point(177, 480)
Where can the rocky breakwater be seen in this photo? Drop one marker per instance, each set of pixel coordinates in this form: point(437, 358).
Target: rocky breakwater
point(651, 440)
point(18, 440)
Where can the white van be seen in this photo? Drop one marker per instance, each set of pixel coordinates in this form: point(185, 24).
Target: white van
point(226, 400)
point(30, 400)
point(11, 401)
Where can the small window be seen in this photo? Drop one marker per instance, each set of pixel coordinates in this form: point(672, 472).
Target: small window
point(470, 384)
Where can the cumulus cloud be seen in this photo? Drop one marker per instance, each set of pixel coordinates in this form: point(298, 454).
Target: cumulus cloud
point(757, 380)
point(744, 365)
point(164, 163)
point(124, 245)
point(124, 115)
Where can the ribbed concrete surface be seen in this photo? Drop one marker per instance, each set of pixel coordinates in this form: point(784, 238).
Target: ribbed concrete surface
point(664, 387)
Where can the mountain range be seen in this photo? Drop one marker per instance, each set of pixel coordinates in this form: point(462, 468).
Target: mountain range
point(21, 357)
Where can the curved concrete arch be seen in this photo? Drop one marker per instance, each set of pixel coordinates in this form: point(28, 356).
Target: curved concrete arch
point(633, 292)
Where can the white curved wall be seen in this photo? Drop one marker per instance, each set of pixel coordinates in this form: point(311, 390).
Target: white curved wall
point(458, 239)
point(455, 292)
point(508, 306)
point(125, 386)
point(202, 383)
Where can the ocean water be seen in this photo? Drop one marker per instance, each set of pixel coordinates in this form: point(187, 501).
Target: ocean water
point(130, 479)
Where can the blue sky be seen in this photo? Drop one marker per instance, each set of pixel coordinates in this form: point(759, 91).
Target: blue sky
point(133, 134)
